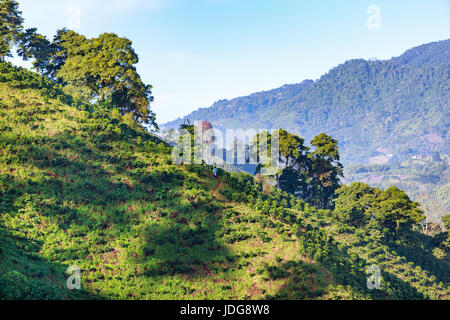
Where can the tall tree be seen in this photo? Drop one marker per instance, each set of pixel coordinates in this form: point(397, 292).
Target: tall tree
point(65, 43)
point(326, 170)
point(394, 210)
point(353, 201)
point(186, 143)
point(313, 176)
point(11, 25)
point(103, 68)
point(92, 70)
point(295, 164)
point(32, 45)
point(292, 150)
point(359, 204)
point(292, 158)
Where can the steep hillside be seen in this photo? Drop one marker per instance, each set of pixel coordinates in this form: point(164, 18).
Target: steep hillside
point(81, 185)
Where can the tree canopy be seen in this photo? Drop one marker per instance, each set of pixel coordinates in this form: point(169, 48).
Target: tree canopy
point(11, 25)
point(31, 45)
point(326, 170)
point(101, 69)
point(446, 221)
point(313, 176)
point(359, 204)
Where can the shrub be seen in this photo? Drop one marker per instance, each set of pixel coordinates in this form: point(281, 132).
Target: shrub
point(16, 286)
point(197, 197)
point(237, 236)
point(276, 272)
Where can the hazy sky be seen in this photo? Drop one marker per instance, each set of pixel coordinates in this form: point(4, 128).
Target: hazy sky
point(195, 52)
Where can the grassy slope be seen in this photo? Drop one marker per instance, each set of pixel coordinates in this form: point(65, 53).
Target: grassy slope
point(137, 226)
point(78, 189)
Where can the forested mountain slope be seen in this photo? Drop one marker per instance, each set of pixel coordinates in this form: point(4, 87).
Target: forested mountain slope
point(400, 106)
point(82, 185)
point(381, 112)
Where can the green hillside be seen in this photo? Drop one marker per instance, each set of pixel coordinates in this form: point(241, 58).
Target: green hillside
point(83, 185)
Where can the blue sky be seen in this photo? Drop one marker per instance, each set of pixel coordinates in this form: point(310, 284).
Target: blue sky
point(195, 52)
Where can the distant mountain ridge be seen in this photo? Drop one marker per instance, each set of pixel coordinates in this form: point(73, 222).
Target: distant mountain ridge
point(399, 106)
point(388, 115)
point(434, 54)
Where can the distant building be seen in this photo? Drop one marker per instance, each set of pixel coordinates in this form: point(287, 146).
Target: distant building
point(432, 156)
point(205, 129)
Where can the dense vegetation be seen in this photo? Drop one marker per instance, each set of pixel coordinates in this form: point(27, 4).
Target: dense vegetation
point(425, 180)
point(312, 175)
point(83, 185)
point(381, 112)
point(99, 70)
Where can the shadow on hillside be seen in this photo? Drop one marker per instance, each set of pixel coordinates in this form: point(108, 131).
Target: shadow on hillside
point(344, 273)
point(26, 275)
point(174, 242)
point(422, 256)
point(306, 280)
point(183, 249)
point(184, 243)
point(83, 182)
